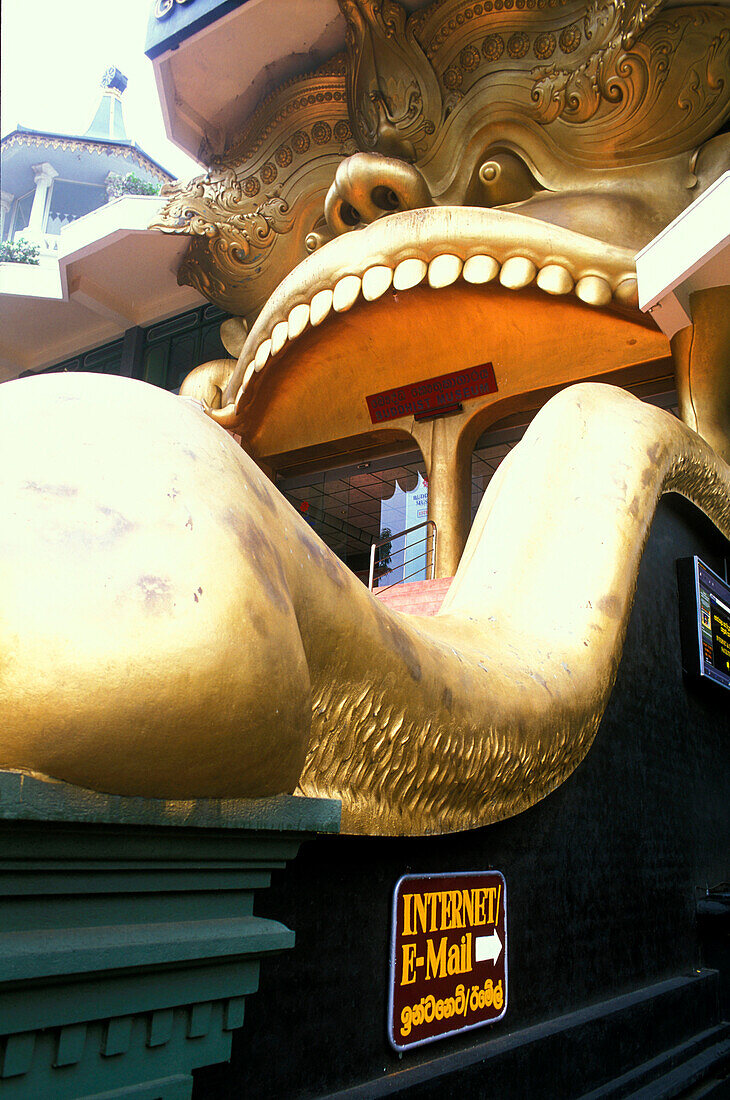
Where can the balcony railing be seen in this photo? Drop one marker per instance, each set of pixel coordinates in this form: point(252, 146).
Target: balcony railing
point(430, 540)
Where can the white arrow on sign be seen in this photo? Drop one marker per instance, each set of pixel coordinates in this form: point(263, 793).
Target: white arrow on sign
point(488, 947)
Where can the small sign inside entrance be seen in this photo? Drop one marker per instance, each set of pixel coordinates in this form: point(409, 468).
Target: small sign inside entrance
point(432, 395)
point(448, 966)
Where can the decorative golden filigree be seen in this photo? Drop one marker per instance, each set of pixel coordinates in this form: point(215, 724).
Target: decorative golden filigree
point(395, 100)
point(251, 214)
point(86, 146)
point(216, 206)
point(492, 103)
point(671, 78)
point(605, 63)
point(311, 96)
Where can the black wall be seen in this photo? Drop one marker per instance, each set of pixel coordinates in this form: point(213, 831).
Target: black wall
point(602, 876)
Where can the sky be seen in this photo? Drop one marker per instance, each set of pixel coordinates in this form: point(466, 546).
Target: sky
point(54, 54)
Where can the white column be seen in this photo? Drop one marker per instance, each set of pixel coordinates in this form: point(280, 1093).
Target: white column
point(6, 201)
point(44, 175)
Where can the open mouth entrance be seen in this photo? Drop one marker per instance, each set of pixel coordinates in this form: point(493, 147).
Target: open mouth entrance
point(487, 351)
point(353, 505)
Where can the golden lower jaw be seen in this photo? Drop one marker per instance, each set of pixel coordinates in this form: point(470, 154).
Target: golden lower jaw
point(438, 247)
point(206, 643)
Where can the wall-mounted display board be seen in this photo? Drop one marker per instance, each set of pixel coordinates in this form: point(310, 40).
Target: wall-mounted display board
point(448, 965)
point(704, 603)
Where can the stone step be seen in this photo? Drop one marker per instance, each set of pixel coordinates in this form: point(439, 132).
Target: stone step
point(693, 1068)
point(704, 1075)
point(660, 1041)
point(416, 597)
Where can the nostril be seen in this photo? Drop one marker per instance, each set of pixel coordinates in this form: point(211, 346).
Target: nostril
point(349, 215)
point(385, 198)
point(368, 186)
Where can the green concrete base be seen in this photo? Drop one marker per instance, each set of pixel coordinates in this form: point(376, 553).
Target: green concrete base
point(127, 937)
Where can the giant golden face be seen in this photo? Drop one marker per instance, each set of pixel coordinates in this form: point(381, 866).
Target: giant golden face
point(435, 138)
point(204, 642)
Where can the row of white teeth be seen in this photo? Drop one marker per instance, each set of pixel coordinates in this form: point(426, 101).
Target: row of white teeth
point(442, 271)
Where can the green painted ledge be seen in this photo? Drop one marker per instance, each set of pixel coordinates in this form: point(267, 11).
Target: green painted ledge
point(128, 941)
point(26, 798)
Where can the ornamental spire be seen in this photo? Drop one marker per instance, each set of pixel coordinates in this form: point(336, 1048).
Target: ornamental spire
point(108, 122)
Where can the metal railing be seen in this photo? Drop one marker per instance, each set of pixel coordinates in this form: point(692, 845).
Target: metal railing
point(430, 553)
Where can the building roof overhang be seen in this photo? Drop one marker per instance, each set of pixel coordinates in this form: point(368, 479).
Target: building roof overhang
point(215, 60)
point(112, 273)
point(74, 156)
point(691, 254)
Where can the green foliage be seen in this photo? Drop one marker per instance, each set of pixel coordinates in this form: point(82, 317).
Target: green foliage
point(19, 251)
point(117, 185)
point(384, 552)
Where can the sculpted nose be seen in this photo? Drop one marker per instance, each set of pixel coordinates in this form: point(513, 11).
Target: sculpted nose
point(368, 186)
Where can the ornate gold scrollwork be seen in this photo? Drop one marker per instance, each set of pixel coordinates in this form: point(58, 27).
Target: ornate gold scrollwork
point(216, 205)
point(663, 91)
point(250, 216)
point(395, 99)
point(589, 113)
